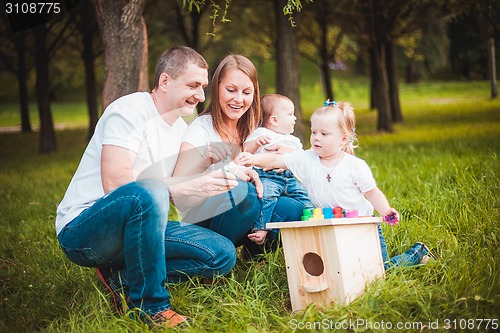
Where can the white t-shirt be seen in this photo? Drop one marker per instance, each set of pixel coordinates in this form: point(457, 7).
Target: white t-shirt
point(131, 122)
point(283, 139)
point(350, 179)
point(200, 134)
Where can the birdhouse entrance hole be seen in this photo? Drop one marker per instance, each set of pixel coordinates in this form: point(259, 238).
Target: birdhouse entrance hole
point(313, 264)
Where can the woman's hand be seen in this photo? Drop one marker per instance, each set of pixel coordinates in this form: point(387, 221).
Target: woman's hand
point(216, 152)
point(246, 174)
point(254, 177)
point(245, 159)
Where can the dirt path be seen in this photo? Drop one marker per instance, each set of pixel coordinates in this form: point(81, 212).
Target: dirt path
point(61, 126)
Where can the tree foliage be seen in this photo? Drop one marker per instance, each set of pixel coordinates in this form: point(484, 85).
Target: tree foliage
point(423, 38)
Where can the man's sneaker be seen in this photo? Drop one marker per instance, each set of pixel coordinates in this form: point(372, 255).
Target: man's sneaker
point(119, 293)
point(427, 254)
point(168, 318)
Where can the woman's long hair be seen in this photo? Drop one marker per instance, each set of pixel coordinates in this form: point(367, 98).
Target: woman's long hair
point(250, 119)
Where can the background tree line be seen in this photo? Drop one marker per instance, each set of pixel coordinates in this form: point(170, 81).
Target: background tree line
point(100, 49)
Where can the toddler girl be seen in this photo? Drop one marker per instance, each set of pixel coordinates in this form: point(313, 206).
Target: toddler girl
point(334, 177)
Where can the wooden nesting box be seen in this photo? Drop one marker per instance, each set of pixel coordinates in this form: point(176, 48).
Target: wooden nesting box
point(330, 261)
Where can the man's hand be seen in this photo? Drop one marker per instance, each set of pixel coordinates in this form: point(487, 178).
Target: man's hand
point(213, 183)
point(191, 191)
point(246, 174)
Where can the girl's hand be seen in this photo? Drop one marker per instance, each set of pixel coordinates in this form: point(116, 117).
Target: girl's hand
point(392, 218)
point(280, 149)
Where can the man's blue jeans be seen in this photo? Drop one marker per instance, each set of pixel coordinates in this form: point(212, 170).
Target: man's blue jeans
point(277, 184)
point(411, 257)
point(128, 230)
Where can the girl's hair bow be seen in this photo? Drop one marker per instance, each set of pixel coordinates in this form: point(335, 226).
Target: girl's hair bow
point(329, 103)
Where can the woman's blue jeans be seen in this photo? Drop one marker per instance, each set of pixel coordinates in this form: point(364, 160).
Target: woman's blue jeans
point(233, 214)
point(230, 214)
point(411, 257)
point(128, 230)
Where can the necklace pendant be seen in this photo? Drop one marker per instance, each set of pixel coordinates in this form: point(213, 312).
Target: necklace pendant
point(328, 177)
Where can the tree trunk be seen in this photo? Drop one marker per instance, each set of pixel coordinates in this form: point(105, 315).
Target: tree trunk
point(411, 71)
point(47, 142)
point(493, 68)
point(88, 58)
point(373, 73)
point(360, 65)
point(87, 25)
point(384, 122)
point(379, 70)
point(325, 69)
point(123, 33)
point(327, 80)
point(392, 77)
point(143, 50)
point(190, 33)
point(288, 63)
point(22, 82)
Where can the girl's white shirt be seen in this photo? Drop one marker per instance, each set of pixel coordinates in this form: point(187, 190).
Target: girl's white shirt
point(350, 179)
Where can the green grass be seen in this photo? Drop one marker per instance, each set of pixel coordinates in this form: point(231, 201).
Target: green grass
point(439, 168)
point(63, 113)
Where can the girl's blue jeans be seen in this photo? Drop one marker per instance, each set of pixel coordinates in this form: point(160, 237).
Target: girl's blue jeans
point(128, 230)
point(411, 257)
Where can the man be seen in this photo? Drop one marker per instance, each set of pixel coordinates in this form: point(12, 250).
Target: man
point(114, 213)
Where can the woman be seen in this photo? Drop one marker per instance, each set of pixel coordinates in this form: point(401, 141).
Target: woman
point(215, 138)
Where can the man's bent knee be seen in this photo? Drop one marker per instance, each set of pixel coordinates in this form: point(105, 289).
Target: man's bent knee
point(225, 256)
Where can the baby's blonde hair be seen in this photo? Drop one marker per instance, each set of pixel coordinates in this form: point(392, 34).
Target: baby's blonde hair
point(346, 122)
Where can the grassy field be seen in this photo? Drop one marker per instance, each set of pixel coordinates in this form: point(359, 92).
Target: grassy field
point(439, 168)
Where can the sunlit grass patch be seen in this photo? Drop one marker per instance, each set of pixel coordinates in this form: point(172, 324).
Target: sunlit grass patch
point(439, 168)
